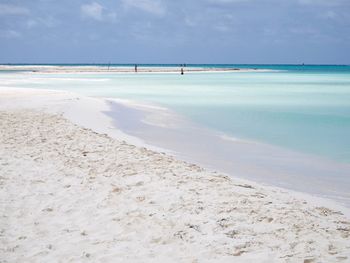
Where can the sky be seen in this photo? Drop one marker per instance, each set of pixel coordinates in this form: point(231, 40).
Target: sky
point(175, 31)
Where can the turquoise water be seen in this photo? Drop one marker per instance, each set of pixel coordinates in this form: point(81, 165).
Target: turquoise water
point(302, 108)
point(299, 67)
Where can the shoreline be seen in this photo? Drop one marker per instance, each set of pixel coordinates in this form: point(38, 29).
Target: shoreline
point(121, 69)
point(249, 160)
point(151, 208)
point(90, 113)
point(81, 190)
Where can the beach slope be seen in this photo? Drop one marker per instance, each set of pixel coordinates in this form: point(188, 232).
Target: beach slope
point(69, 194)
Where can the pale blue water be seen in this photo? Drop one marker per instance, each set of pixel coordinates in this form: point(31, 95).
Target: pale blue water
point(303, 108)
point(300, 68)
point(297, 119)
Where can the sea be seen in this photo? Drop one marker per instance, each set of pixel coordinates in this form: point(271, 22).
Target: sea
point(281, 125)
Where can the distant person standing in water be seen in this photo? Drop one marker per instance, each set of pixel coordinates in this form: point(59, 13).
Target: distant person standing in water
point(135, 68)
point(182, 71)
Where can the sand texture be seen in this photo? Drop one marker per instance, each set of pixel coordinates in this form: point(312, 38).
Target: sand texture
point(69, 194)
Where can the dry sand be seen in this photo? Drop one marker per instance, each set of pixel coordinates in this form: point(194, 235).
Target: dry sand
point(119, 69)
point(69, 194)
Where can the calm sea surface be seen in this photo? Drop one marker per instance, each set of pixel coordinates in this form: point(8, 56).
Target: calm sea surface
point(304, 109)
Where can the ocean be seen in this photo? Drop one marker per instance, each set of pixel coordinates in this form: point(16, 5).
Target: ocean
point(288, 126)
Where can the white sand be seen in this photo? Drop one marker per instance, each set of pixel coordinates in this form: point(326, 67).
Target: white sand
point(119, 69)
point(69, 194)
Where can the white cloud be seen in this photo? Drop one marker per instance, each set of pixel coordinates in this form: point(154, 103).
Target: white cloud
point(13, 10)
point(325, 2)
point(330, 15)
point(221, 28)
point(31, 23)
point(112, 16)
point(93, 10)
point(227, 1)
point(191, 21)
point(9, 34)
point(151, 6)
point(98, 12)
point(48, 22)
point(303, 2)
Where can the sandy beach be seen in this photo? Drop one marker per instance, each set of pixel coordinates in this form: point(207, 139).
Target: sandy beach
point(74, 188)
point(121, 69)
point(155, 131)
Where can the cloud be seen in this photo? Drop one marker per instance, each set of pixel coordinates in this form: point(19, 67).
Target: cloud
point(222, 28)
point(47, 21)
point(227, 1)
point(93, 10)
point(325, 2)
point(97, 12)
point(302, 2)
point(330, 15)
point(191, 21)
point(9, 34)
point(13, 10)
point(231, 2)
point(155, 7)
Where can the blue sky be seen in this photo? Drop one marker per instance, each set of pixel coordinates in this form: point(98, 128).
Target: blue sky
point(175, 31)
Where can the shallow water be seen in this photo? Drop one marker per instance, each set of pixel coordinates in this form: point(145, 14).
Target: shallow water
point(212, 149)
point(288, 127)
point(306, 111)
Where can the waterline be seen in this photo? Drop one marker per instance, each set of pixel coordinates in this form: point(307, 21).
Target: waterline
point(284, 128)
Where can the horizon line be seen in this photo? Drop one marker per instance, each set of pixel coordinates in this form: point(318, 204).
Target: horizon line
point(168, 64)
